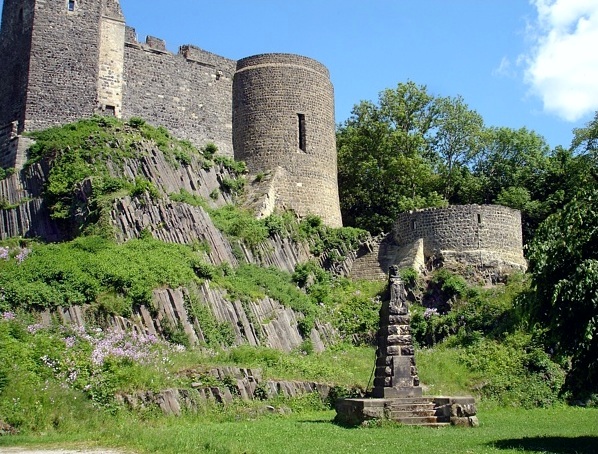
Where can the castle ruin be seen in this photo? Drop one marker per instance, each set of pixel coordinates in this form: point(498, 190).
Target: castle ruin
point(69, 59)
point(64, 60)
point(487, 238)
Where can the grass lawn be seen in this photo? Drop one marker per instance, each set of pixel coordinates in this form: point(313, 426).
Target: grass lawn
point(553, 430)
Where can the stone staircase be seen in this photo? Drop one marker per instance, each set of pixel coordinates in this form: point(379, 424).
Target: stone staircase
point(413, 411)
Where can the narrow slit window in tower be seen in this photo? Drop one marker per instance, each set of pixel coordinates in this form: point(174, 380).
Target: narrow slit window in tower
point(479, 218)
point(71, 5)
point(302, 144)
point(21, 15)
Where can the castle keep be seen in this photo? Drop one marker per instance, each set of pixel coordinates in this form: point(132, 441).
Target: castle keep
point(62, 60)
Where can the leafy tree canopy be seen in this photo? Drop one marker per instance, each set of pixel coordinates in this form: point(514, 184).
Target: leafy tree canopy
point(564, 266)
point(414, 150)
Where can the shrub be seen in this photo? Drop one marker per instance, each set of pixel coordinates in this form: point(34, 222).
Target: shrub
point(233, 186)
point(79, 271)
point(452, 284)
point(143, 186)
point(209, 150)
point(185, 196)
point(236, 167)
point(136, 122)
point(5, 173)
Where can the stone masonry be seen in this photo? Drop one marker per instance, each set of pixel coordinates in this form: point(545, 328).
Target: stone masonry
point(283, 120)
point(396, 374)
point(61, 61)
point(397, 394)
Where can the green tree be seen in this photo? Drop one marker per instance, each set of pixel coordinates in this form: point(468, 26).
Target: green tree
point(511, 158)
point(384, 165)
point(512, 169)
point(458, 139)
point(564, 266)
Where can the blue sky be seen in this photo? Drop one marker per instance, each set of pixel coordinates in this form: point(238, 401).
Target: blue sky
point(519, 63)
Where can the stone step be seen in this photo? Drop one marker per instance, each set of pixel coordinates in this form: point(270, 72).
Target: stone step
point(412, 408)
point(416, 420)
point(411, 405)
point(394, 414)
point(410, 400)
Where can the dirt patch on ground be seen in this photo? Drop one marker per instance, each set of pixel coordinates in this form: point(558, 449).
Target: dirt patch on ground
point(58, 451)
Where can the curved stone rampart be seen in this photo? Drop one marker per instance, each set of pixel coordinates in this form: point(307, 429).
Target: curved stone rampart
point(480, 235)
point(283, 121)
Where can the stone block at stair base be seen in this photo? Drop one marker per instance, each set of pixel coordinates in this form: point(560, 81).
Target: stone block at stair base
point(454, 407)
point(353, 412)
point(412, 410)
point(471, 421)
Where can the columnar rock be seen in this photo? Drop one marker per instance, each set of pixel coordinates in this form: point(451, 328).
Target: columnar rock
point(396, 374)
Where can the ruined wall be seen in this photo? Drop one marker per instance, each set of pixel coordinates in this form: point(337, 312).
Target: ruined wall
point(189, 92)
point(476, 234)
point(58, 65)
point(283, 117)
point(69, 60)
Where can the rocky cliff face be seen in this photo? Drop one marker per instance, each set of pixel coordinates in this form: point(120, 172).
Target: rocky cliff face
point(263, 322)
point(260, 323)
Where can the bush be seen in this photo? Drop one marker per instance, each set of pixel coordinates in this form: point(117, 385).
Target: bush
point(5, 173)
point(239, 224)
point(209, 150)
point(515, 372)
point(80, 271)
point(233, 186)
point(143, 186)
point(185, 196)
point(452, 284)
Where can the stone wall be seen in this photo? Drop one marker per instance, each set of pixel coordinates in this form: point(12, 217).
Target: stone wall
point(58, 66)
point(189, 92)
point(474, 234)
point(283, 120)
point(7, 150)
point(15, 47)
point(62, 64)
point(111, 63)
point(63, 68)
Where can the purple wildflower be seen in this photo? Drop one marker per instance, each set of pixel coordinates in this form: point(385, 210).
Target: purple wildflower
point(9, 315)
point(70, 341)
point(4, 253)
point(34, 328)
point(22, 255)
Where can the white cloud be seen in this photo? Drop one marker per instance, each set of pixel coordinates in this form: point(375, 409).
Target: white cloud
point(504, 69)
point(562, 68)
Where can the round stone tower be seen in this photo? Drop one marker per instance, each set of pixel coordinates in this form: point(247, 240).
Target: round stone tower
point(283, 125)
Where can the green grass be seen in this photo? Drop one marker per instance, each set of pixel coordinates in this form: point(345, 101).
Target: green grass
point(554, 430)
point(442, 373)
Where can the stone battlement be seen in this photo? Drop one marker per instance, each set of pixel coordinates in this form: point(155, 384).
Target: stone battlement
point(63, 61)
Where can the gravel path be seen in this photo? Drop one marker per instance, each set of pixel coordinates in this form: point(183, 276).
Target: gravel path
point(58, 451)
